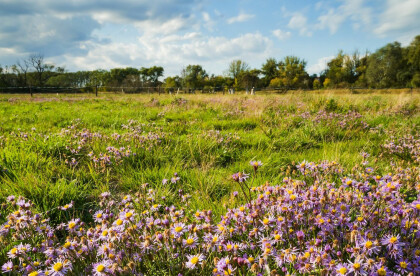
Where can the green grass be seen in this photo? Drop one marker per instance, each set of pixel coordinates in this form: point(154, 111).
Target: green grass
point(205, 139)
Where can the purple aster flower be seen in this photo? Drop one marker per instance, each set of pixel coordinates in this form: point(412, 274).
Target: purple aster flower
point(194, 260)
point(240, 177)
point(7, 267)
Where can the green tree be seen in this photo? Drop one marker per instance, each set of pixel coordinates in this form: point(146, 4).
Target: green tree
point(316, 84)
point(248, 78)
point(172, 83)
point(292, 72)
point(236, 67)
point(193, 76)
point(269, 70)
point(386, 67)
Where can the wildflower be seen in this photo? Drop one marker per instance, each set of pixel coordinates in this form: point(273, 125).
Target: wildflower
point(240, 177)
point(392, 242)
point(255, 164)
point(7, 267)
point(60, 267)
point(72, 226)
point(194, 260)
point(67, 206)
point(381, 271)
point(190, 242)
point(98, 216)
point(416, 205)
point(178, 229)
point(341, 269)
point(13, 253)
point(101, 268)
point(403, 266)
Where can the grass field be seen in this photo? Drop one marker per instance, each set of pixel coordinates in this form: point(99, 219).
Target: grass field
point(203, 138)
point(58, 149)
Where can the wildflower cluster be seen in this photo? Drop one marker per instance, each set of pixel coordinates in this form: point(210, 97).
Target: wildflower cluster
point(406, 147)
point(360, 225)
point(349, 120)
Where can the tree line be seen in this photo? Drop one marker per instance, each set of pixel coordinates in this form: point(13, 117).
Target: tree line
point(388, 67)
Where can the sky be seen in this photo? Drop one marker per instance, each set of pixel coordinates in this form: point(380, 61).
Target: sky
point(104, 34)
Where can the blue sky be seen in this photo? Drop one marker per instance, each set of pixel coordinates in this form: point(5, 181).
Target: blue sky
point(103, 34)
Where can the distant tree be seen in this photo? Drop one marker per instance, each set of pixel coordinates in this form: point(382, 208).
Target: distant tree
point(327, 83)
point(413, 61)
point(361, 67)
point(248, 78)
point(269, 70)
point(236, 67)
point(193, 76)
point(386, 67)
point(413, 54)
point(172, 83)
point(23, 70)
point(316, 84)
point(292, 72)
point(41, 68)
point(153, 74)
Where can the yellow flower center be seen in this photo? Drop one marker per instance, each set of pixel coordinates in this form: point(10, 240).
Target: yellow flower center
point(356, 265)
point(293, 197)
point(242, 208)
point(128, 215)
point(58, 267)
point(72, 225)
point(33, 273)
point(99, 215)
point(190, 241)
point(277, 237)
point(368, 244)
point(381, 271)
point(215, 238)
point(119, 222)
point(342, 270)
point(403, 264)
point(251, 259)
point(178, 229)
point(321, 221)
point(67, 245)
point(14, 250)
point(100, 268)
point(194, 260)
point(393, 240)
point(229, 247)
point(360, 219)
point(418, 206)
point(105, 233)
point(266, 221)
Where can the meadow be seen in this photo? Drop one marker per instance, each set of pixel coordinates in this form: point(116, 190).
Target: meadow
point(170, 173)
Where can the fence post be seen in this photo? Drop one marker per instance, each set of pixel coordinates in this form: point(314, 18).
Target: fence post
point(30, 91)
point(96, 90)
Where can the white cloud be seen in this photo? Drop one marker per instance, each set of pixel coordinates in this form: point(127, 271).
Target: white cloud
point(401, 18)
point(241, 17)
point(175, 51)
point(319, 66)
point(282, 35)
point(299, 22)
point(208, 23)
point(355, 10)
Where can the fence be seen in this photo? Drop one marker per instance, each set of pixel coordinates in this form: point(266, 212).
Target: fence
point(179, 90)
